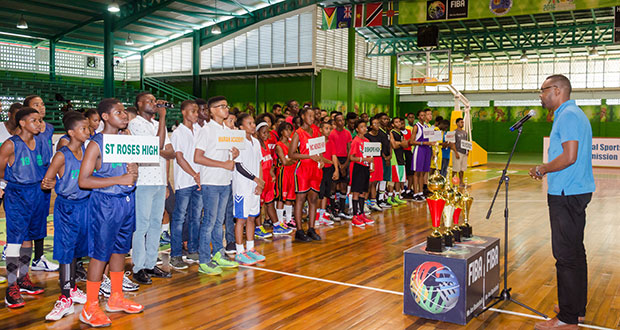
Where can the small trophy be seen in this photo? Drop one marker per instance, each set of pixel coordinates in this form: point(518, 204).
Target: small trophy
point(458, 206)
point(448, 211)
point(436, 203)
point(466, 229)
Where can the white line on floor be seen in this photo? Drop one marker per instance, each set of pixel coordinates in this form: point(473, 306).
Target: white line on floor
point(399, 293)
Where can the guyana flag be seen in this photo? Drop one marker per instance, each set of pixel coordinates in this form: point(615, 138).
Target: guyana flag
point(329, 18)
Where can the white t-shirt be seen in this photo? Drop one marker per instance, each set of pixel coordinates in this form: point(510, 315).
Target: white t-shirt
point(206, 140)
point(183, 141)
point(149, 174)
point(250, 159)
point(4, 133)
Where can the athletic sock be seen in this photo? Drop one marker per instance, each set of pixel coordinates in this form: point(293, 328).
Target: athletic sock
point(92, 291)
point(355, 206)
point(72, 271)
point(288, 211)
point(362, 201)
point(280, 214)
point(12, 267)
point(342, 203)
point(24, 261)
point(38, 249)
point(249, 244)
point(65, 279)
point(116, 280)
point(165, 227)
point(240, 248)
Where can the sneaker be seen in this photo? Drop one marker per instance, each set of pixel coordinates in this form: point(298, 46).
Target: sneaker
point(44, 265)
point(80, 272)
point(268, 223)
point(313, 235)
point(142, 277)
point(164, 239)
point(159, 261)
point(357, 222)
point(391, 201)
point(78, 296)
point(118, 303)
point(25, 285)
point(384, 205)
point(300, 236)
point(210, 268)
point(255, 255)
point(365, 219)
point(129, 285)
point(193, 258)
point(62, 307)
point(244, 259)
point(105, 288)
point(281, 230)
point(261, 233)
point(231, 248)
point(2, 279)
point(13, 297)
point(325, 221)
point(178, 263)
point(93, 315)
point(398, 200)
point(158, 273)
point(291, 223)
point(346, 216)
point(224, 262)
point(375, 207)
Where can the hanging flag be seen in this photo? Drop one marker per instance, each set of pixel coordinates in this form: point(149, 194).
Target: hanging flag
point(390, 15)
point(359, 15)
point(329, 13)
point(374, 14)
point(343, 16)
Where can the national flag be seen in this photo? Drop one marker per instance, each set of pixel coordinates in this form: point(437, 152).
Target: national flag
point(390, 15)
point(329, 13)
point(374, 14)
point(343, 16)
point(359, 15)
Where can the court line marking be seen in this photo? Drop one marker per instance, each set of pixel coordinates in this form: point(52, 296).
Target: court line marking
point(397, 293)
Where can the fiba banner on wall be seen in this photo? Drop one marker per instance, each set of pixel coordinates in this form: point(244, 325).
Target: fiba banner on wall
point(605, 151)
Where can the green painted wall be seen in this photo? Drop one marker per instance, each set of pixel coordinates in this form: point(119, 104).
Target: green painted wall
point(367, 96)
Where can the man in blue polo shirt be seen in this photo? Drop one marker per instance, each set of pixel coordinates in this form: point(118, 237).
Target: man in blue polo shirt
point(570, 187)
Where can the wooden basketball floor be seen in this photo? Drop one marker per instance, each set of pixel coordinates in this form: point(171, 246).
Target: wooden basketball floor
point(354, 277)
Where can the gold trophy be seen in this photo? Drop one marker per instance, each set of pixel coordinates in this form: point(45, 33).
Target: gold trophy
point(436, 203)
point(449, 196)
point(466, 229)
point(458, 206)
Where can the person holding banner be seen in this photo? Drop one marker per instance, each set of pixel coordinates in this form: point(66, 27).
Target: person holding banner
point(377, 175)
point(285, 183)
point(330, 174)
point(308, 173)
point(112, 217)
point(459, 160)
point(421, 156)
point(360, 175)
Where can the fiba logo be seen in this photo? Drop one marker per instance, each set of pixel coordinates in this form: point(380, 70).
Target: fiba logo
point(434, 287)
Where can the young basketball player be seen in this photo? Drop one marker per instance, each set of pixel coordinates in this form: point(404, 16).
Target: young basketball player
point(70, 213)
point(93, 120)
point(285, 184)
point(21, 172)
point(112, 215)
point(360, 175)
point(308, 174)
point(330, 174)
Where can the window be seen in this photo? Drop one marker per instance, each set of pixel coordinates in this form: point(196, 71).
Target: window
point(175, 58)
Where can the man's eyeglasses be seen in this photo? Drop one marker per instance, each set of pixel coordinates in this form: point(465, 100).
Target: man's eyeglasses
point(542, 90)
point(223, 106)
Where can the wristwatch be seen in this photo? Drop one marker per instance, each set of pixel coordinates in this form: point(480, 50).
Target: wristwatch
point(538, 171)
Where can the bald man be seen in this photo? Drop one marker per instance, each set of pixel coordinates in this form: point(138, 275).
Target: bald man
point(570, 187)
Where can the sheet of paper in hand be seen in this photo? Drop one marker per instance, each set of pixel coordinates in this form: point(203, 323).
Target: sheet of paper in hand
point(130, 149)
point(372, 149)
point(316, 146)
point(229, 138)
point(451, 137)
point(466, 145)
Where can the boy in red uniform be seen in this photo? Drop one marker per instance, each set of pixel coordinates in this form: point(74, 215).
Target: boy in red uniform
point(330, 175)
point(360, 175)
point(285, 183)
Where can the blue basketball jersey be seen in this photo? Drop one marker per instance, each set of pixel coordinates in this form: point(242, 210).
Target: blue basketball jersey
point(67, 185)
point(46, 142)
point(110, 170)
point(29, 166)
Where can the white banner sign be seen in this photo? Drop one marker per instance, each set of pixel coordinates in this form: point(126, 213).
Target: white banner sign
point(229, 138)
point(467, 145)
point(316, 146)
point(605, 151)
point(451, 137)
point(130, 149)
point(432, 135)
point(372, 149)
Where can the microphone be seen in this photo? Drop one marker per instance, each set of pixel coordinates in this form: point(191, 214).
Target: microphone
point(520, 123)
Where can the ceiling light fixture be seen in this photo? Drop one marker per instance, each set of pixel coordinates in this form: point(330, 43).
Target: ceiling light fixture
point(593, 52)
point(129, 41)
point(22, 24)
point(467, 59)
point(113, 7)
point(523, 57)
point(216, 29)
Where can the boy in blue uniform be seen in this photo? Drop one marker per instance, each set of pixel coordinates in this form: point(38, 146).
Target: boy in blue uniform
point(20, 179)
point(70, 214)
point(45, 139)
point(112, 217)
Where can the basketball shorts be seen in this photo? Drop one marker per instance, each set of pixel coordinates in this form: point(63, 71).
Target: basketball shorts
point(327, 183)
point(112, 223)
point(269, 191)
point(344, 177)
point(408, 159)
point(70, 229)
point(246, 206)
point(24, 206)
point(308, 176)
point(377, 174)
point(387, 170)
point(285, 187)
point(422, 159)
point(360, 178)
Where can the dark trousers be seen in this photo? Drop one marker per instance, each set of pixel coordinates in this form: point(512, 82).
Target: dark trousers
point(568, 220)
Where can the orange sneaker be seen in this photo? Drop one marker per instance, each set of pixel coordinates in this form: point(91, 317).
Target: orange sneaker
point(93, 315)
point(118, 303)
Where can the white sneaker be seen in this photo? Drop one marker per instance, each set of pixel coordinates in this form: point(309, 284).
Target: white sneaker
point(62, 307)
point(325, 221)
point(78, 296)
point(375, 207)
point(44, 265)
point(128, 285)
point(106, 286)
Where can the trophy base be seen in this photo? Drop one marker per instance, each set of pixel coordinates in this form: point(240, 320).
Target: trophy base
point(434, 244)
point(466, 231)
point(448, 239)
point(456, 232)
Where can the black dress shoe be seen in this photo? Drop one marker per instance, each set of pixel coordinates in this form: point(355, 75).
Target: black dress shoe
point(313, 235)
point(158, 272)
point(142, 277)
point(301, 236)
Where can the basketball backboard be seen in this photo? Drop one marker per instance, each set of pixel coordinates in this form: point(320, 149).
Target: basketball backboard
point(424, 68)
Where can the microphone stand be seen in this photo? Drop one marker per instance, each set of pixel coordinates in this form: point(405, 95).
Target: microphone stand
point(505, 294)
